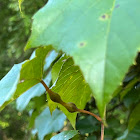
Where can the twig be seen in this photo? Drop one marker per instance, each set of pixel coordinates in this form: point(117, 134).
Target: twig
point(92, 114)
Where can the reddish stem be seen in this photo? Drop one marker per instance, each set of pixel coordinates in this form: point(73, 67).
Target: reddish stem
point(92, 114)
point(46, 87)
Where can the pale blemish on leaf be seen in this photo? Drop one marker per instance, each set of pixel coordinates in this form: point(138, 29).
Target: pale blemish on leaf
point(82, 44)
point(117, 6)
point(21, 81)
point(104, 17)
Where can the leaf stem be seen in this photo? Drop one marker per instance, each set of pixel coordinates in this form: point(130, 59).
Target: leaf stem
point(46, 87)
point(102, 131)
point(92, 114)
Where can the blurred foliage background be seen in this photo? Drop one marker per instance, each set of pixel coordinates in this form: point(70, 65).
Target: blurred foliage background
point(14, 32)
point(15, 125)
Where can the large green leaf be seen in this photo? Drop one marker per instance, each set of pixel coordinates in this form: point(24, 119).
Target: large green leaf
point(19, 80)
point(134, 117)
point(103, 36)
point(65, 135)
point(71, 86)
point(46, 123)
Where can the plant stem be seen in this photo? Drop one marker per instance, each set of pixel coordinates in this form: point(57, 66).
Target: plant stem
point(92, 114)
point(102, 131)
point(46, 87)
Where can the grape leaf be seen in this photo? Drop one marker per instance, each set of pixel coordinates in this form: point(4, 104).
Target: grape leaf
point(52, 123)
point(65, 135)
point(101, 36)
point(19, 80)
point(71, 86)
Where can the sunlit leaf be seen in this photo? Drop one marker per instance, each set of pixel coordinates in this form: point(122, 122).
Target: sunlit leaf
point(71, 86)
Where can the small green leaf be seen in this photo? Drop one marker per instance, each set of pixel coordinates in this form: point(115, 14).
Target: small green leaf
point(52, 123)
point(22, 77)
point(134, 117)
point(38, 89)
point(65, 135)
point(102, 36)
point(71, 86)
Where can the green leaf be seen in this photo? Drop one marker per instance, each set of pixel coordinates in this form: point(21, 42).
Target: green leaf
point(71, 86)
point(38, 89)
point(19, 80)
point(52, 123)
point(134, 134)
point(134, 117)
point(65, 135)
point(56, 68)
point(87, 125)
point(101, 36)
point(20, 2)
point(35, 91)
point(91, 138)
point(9, 83)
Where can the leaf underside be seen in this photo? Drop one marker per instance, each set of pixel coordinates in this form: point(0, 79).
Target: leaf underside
point(102, 36)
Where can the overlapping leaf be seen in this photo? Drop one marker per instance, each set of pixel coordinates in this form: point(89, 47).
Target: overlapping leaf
point(22, 77)
point(52, 123)
point(71, 86)
point(103, 36)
